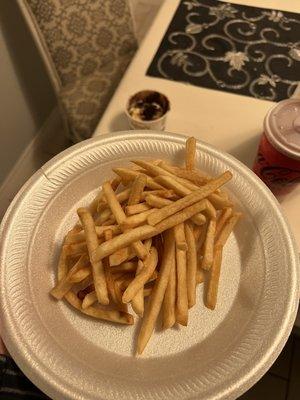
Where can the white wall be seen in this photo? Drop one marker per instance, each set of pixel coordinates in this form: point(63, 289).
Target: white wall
point(26, 96)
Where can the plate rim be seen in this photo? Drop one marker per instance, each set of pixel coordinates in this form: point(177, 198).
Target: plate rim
point(23, 360)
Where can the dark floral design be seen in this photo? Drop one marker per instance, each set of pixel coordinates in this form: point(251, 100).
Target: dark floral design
point(62, 57)
point(91, 43)
point(45, 10)
point(104, 37)
point(89, 66)
point(117, 7)
point(239, 49)
point(77, 24)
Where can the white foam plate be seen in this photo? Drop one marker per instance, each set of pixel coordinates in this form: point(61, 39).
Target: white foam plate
point(219, 355)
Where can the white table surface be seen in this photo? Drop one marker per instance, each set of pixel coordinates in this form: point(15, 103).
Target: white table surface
point(230, 122)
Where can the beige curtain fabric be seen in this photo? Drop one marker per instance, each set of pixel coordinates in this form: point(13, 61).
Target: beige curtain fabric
point(91, 43)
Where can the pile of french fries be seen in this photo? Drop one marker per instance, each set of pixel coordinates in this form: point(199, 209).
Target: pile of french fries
point(150, 236)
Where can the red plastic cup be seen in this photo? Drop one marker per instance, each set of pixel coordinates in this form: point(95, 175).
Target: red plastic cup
point(278, 159)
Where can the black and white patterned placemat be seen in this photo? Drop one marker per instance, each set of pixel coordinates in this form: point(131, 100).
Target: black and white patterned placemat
point(244, 50)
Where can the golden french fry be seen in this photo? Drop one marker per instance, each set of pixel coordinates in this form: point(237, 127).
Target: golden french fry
point(200, 277)
point(121, 197)
point(93, 311)
point(169, 303)
point(189, 199)
point(195, 176)
point(156, 201)
point(92, 244)
point(120, 216)
point(80, 275)
point(104, 216)
point(129, 175)
point(141, 277)
point(210, 210)
point(191, 265)
point(226, 213)
point(137, 302)
point(89, 299)
point(121, 255)
point(125, 254)
point(157, 294)
point(227, 229)
point(129, 266)
point(182, 216)
point(181, 268)
point(64, 284)
point(213, 282)
point(208, 253)
point(137, 208)
point(123, 240)
point(197, 232)
point(76, 249)
point(180, 237)
point(113, 202)
point(109, 315)
point(190, 152)
point(137, 189)
point(202, 237)
point(163, 193)
point(136, 220)
point(219, 202)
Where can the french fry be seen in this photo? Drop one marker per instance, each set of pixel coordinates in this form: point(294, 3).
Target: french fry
point(180, 237)
point(200, 277)
point(120, 256)
point(208, 252)
point(80, 275)
point(195, 176)
point(125, 254)
point(210, 210)
point(181, 268)
point(157, 294)
point(121, 197)
point(137, 208)
point(202, 237)
point(137, 302)
point(79, 237)
point(141, 277)
point(129, 266)
point(137, 189)
point(157, 202)
point(76, 249)
point(169, 303)
point(219, 202)
point(163, 193)
point(113, 203)
point(190, 152)
point(104, 216)
point(182, 216)
point(226, 213)
point(213, 282)
point(129, 175)
point(89, 299)
point(92, 244)
point(227, 229)
point(136, 220)
point(191, 265)
point(120, 216)
point(64, 284)
point(189, 199)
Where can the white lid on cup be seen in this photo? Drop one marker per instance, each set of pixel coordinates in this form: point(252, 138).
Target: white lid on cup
point(282, 127)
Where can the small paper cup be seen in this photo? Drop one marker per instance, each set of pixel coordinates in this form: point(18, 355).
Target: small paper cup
point(145, 95)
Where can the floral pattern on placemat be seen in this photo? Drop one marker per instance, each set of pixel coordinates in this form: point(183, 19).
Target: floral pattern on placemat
point(240, 49)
